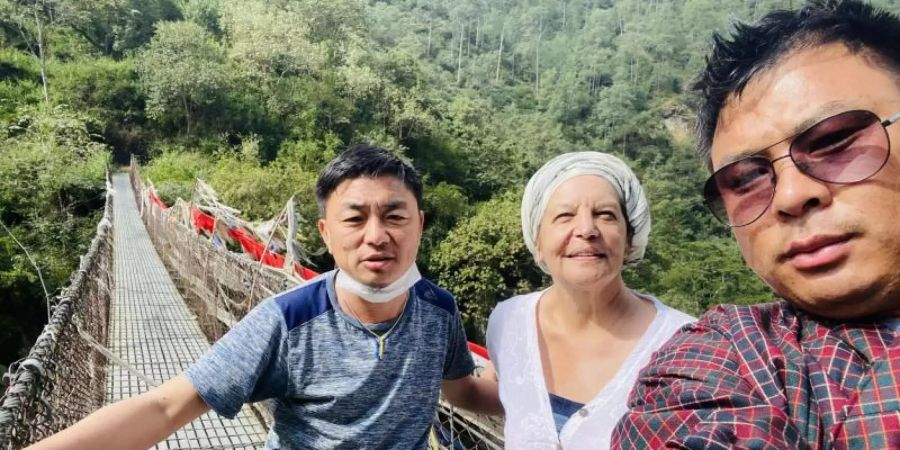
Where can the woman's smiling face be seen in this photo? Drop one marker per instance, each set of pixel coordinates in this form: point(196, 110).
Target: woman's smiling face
point(583, 235)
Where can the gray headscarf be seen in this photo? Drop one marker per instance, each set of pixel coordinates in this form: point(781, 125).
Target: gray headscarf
point(563, 167)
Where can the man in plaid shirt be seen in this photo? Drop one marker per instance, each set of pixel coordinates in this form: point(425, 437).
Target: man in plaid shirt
point(797, 125)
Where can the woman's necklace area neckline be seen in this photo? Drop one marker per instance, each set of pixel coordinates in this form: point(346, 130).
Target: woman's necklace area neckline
point(627, 295)
point(380, 338)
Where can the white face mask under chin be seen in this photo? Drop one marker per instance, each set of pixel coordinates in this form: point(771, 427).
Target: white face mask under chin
point(379, 295)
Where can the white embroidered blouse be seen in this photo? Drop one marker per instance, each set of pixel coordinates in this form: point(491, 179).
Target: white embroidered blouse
point(513, 344)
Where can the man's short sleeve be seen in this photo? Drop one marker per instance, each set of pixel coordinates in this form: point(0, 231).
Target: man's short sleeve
point(459, 361)
point(248, 364)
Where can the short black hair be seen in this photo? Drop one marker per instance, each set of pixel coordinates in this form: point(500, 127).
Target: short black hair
point(750, 49)
point(364, 160)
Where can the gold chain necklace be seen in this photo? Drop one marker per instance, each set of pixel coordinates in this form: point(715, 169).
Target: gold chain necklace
point(383, 336)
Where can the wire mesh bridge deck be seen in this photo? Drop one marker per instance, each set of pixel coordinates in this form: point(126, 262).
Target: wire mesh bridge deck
point(127, 321)
point(152, 329)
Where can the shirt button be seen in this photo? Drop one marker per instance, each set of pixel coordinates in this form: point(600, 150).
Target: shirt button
point(583, 412)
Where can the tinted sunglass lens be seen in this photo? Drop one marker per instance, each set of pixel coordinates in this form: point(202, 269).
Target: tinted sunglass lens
point(738, 193)
point(846, 148)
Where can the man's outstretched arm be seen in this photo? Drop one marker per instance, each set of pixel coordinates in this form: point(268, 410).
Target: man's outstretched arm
point(476, 394)
point(135, 423)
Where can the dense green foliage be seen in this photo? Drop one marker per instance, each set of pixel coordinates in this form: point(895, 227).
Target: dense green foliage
point(51, 194)
point(254, 96)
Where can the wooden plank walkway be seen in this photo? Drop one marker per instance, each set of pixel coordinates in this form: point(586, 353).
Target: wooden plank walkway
point(152, 329)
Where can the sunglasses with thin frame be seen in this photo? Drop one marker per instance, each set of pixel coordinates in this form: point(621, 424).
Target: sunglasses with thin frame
point(842, 149)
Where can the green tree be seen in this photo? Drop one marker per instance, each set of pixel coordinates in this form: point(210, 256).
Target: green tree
point(444, 205)
point(268, 43)
point(709, 272)
point(19, 83)
point(108, 90)
point(114, 27)
point(484, 260)
point(51, 191)
point(184, 74)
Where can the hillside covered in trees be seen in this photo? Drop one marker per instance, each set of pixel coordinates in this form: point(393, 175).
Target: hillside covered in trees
point(254, 96)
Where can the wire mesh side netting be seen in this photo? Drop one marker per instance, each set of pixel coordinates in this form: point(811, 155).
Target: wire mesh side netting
point(63, 378)
point(458, 429)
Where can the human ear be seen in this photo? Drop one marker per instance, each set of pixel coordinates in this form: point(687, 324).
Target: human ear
point(323, 231)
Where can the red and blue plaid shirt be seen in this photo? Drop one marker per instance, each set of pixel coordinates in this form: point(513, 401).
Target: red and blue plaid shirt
point(768, 377)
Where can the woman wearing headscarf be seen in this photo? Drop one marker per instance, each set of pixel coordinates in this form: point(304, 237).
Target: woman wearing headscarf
point(566, 357)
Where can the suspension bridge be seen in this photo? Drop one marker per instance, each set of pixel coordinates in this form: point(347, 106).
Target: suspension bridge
point(147, 299)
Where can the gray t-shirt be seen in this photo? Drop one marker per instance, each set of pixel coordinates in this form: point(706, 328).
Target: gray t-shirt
point(321, 368)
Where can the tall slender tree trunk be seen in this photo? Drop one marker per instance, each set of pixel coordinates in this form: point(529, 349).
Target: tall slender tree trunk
point(477, 34)
point(451, 47)
point(42, 54)
point(428, 50)
point(593, 80)
point(537, 57)
point(468, 46)
point(500, 53)
point(187, 113)
point(459, 55)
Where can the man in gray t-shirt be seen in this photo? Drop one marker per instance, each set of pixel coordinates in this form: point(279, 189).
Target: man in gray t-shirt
point(354, 359)
point(321, 366)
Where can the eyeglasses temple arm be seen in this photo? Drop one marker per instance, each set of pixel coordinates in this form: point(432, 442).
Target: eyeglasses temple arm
point(891, 120)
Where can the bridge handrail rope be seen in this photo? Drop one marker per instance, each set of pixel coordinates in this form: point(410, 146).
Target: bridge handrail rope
point(62, 379)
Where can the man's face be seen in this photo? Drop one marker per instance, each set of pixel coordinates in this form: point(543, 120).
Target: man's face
point(372, 228)
point(833, 250)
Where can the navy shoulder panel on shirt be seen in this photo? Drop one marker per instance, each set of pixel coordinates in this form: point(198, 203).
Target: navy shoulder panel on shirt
point(437, 296)
point(304, 303)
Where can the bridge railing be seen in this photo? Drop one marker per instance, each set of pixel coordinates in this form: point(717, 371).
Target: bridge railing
point(223, 286)
point(63, 378)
